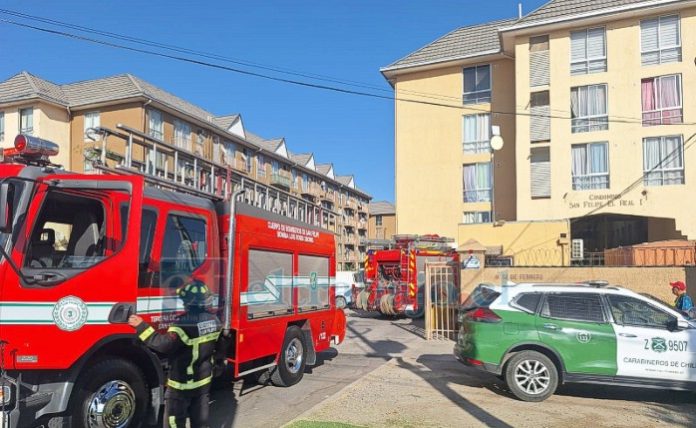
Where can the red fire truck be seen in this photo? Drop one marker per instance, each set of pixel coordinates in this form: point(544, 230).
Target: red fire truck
point(80, 252)
point(395, 274)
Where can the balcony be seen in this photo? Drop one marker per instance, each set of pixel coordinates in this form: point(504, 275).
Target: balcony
point(281, 181)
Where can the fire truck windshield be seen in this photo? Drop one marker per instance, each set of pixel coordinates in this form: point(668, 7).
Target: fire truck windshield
point(15, 205)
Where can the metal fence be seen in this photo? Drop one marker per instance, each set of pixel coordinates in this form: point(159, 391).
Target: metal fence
point(441, 300)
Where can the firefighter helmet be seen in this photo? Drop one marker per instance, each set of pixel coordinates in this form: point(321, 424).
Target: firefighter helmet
point(195, 294)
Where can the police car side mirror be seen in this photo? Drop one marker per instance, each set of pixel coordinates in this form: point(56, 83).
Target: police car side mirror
point(6, 211)
point(675, 324)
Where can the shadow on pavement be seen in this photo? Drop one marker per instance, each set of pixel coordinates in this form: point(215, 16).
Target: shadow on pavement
point(380, 348)
point(322, 357)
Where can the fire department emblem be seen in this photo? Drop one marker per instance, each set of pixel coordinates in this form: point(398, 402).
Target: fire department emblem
point(70, 313)
point(313, 280)
point(659, 344)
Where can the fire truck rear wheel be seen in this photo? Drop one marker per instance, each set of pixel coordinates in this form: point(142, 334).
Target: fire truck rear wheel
point(292, 360)
point(110, 394)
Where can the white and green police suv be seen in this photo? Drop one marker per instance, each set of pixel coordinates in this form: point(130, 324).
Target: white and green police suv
point(536, 336)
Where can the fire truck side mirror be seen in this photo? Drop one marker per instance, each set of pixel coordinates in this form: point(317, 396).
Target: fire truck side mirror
point(6, 209)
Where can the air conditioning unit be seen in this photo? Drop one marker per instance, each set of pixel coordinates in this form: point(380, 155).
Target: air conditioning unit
point(577, 249)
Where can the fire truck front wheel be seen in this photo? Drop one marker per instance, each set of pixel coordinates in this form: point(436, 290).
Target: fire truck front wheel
point(292, 360)
point(110, 394)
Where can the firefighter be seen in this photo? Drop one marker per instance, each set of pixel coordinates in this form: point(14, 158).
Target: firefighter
point(190, 343)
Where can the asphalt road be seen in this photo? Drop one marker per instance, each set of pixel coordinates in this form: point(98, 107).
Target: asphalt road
point(370, 343)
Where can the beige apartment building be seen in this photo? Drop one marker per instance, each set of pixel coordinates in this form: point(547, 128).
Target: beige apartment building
point(382, 220)
point(66, 114)
point(597, 152)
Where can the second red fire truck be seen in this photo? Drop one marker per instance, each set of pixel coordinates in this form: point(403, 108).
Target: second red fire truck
point(395, 275)
point(79, 253)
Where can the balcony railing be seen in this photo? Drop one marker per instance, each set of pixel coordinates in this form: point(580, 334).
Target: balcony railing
point(280, 181)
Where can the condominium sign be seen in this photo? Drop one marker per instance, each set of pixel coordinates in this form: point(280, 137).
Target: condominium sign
point(615, 200)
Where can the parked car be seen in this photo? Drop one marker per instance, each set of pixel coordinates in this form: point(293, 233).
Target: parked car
point(537, 336)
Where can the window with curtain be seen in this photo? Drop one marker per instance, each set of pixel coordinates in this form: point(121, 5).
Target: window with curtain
point(590, 166)
point(477, 182)
point(155, 126)
point(540, 171)
point(588, 53)
point(230, 152)
point(661, 98)
point(477, 84)
point(91, 121)
point(26, 121)
point(182, 134)
point(248, 161)
point(305, 182)
point(260, 166)
point(660, 40)
point(663, 161)
point(588, 107)
point(474, 217)
point(477, 133)
point(2, 126)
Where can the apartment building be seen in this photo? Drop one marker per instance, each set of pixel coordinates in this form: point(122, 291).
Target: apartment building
point(602, 126)
point(382, 220)
point(67, 114)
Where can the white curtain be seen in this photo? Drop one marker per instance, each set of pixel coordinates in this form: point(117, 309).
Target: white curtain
point(579, 161)
point(470, 183)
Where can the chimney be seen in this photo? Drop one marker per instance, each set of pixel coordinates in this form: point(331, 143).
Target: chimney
point(519, 10)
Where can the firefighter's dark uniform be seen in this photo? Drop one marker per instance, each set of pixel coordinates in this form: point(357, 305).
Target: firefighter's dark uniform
point(190, 345)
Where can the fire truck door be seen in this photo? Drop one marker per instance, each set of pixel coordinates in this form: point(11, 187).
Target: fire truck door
point(78, 259)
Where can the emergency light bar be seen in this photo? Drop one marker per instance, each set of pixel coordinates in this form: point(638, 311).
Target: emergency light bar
point(34, 146)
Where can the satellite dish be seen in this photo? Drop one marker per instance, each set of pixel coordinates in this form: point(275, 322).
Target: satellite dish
point(497, 142)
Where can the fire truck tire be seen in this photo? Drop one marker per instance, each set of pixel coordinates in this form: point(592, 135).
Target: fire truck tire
point(111, 393)
point(292, 360)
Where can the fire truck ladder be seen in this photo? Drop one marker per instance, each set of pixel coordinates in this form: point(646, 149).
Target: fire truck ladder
point(168, 166)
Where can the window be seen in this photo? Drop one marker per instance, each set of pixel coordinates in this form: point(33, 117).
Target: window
point(68, 234)
point(147, 236)
point(305, 183)
point(269, 284)
point(588, 106)
point(662, 100)
point(588, 53)
point(473, 217)
point(631, 311)
point(275, 167)
point(230, 151)
point(574, 306)
point(540, 120)
point(2, 126)
point(378, 220)
point(155, 124)
point(660, 41)
point(313, 282)
point(590, 166)
point(26, 121)
point(217, 153)
point(540, 171)
point(200, 138)
point(248, 161)
point(294, 178)
point(663, 161)
point(260, 166)
point(182, 134)
point(184, 249)
point(477, 133)
point(477, 182)
point(539, 61)
point(477, 84)
point(91, 121)
point(528, 301)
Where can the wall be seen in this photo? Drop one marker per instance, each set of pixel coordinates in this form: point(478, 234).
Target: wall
point(652, 280)
point(429, 154)
point(529, 243)
point(625, 139)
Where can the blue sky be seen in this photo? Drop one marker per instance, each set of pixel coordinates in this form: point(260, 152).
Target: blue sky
point(345, 40)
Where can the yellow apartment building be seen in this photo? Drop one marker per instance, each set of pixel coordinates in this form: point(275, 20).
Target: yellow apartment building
point(599, 145)
point(67, 115)
point(382, 220)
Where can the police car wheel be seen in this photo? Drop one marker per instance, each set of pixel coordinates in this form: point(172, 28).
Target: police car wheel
point(340, 302)
point(110, 394)
point(292, 360)
point(531, 376)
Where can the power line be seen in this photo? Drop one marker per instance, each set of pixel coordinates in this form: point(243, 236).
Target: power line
point(612, 119)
